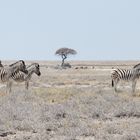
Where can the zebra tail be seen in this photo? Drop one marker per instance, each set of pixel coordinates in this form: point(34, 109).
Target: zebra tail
point(112, 83)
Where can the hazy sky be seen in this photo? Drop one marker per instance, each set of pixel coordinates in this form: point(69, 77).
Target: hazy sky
point(96, 29)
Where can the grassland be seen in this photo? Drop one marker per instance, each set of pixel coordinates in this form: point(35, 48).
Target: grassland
point(71, 104)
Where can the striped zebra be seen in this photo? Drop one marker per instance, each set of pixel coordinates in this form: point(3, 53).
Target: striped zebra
point(6, 72)
point(23, 77)
point(126, 75)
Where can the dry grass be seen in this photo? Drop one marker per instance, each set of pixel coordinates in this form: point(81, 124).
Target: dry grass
point(71, 104)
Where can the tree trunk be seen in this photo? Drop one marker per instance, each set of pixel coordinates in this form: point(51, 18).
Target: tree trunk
point(63, 60)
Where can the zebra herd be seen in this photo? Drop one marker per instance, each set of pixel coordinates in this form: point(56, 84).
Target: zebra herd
point(18, 72)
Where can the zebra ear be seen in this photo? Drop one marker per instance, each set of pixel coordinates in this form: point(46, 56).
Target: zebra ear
point(22, 62)
point(37, 65)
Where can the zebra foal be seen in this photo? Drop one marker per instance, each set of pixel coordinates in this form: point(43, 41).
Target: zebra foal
point(126, 75)
point(6, 72)
point(23, 77)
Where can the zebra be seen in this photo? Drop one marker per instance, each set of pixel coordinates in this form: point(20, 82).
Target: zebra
point(23, 77)
point(1, 64)
point(7, 71)
point(126, 75)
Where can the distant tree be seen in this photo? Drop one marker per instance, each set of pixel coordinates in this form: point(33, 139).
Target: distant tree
point(64, 52)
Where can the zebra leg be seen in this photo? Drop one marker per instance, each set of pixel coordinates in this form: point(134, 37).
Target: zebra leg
point(115, 84)
point(9, 87)
point(133, 86)
point(27, 85)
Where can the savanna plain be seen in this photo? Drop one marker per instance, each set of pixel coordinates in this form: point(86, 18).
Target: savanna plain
point(76, 103)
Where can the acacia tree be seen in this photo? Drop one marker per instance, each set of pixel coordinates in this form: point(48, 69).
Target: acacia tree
point(64, 52)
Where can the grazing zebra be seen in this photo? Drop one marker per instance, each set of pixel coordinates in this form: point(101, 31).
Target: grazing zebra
point(7, 72)
point(22, 77)
point(126, 75)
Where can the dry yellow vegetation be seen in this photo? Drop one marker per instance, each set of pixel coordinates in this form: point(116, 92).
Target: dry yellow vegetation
point(71, 104)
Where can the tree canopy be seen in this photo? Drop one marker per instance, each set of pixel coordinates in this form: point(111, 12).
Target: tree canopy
point(64, 52)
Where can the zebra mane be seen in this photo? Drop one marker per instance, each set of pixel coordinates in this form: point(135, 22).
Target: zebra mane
point(137, 66)
point(17, 62)
point(35, 64)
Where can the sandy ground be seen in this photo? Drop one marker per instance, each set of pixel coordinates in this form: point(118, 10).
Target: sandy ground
point(71, 104)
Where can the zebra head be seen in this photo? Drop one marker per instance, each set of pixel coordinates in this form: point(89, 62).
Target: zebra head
point(37, 69)
point(20, 65)
point(34, 68)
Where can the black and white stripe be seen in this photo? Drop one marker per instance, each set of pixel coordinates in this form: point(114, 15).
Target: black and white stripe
point(7, 71)
point(22, 77)
point(126, 75)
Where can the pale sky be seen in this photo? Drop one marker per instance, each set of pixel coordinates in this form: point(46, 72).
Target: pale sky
point(96, 29)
